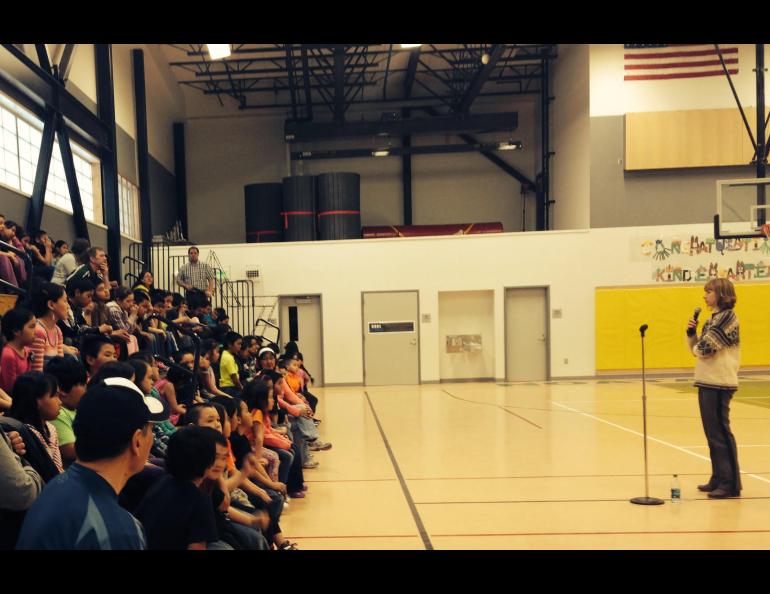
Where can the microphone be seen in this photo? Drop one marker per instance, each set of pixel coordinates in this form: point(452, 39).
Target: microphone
point(643, 329)
point(696, 313)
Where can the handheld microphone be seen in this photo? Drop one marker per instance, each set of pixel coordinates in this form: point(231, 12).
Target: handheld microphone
point(643, 329)
point(696, 313)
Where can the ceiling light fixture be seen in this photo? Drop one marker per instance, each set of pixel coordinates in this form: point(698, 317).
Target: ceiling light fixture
point(509, 145)
point(410, 45)
point(380, 153)
point(217, 51)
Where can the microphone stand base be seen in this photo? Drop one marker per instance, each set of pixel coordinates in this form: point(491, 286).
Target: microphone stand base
point(647, 501)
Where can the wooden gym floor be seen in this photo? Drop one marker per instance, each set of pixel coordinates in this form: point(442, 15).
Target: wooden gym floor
point(548, 465)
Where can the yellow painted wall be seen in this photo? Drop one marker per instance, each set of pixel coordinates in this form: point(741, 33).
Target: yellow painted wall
point(620, 311)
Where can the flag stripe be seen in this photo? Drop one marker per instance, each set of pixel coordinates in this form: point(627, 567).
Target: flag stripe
point(712, 52)
point(677, 75)
point(678, 64)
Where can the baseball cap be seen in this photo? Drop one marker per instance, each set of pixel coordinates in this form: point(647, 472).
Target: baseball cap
point(109, 413)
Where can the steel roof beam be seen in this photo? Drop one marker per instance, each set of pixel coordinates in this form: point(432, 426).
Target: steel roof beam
point(488, 122)
point(411, 71)
point(481, 77)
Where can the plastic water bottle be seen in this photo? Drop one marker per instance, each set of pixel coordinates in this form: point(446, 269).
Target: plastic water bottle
point(676, 491)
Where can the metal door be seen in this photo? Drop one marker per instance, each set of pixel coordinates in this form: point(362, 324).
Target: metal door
point(526, 334)
point(301, 322)
point(391, 338)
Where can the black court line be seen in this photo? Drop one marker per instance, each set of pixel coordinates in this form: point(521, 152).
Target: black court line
point(624, 500)
point(415, 514)
point(503, 408)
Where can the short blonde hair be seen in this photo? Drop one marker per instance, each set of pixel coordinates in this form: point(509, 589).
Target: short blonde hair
point(725, 291)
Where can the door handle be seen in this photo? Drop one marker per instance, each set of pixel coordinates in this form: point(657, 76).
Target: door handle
point(413, 341)
point(542, 338)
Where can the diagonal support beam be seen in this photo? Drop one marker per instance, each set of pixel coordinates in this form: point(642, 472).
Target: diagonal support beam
point(35, 209)
point(411, 72)
point(482, 76)
point(78, 215)
point(42, 57)
point(65, 61)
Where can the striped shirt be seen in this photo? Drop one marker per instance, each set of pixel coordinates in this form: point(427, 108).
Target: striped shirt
point(198, 275)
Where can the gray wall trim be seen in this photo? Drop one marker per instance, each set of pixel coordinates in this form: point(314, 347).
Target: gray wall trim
point(643, 198)
point(464, 380)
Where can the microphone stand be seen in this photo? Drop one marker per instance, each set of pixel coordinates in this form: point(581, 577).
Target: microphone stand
point(646, 500)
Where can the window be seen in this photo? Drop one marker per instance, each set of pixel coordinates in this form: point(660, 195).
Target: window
point(20, 136)
point(128, 195)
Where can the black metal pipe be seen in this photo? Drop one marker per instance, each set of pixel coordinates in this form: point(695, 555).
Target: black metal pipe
point(761, 154)
point(737, 99)
point(180, 174)
point(105, 100)
point(142, 155)
point(406, 173)
point(393, 151)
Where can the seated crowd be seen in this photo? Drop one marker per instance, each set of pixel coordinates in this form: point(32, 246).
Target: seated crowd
point(138, 419)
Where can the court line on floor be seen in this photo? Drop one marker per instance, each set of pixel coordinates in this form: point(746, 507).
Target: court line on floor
point(625, 500)
point(651, 438)
point(415, 514)
point(763, 445)
point(638, 533)
point(382, 480)
point(493, 405)
point(356, 536)
point(559, 476)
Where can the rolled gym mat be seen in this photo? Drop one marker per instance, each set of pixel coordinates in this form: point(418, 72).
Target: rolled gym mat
point(339, 205)
point(298, 214)
point(263, 212)
point(428, 230)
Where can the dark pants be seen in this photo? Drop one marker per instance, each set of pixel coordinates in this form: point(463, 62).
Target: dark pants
point(290, 470)
point(312, 399)
point(715, 414)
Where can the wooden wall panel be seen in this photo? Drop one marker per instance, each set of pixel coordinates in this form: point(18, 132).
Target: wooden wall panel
point(692, 138)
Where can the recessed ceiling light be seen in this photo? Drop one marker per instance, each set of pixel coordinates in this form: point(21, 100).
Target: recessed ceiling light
point(217, 51)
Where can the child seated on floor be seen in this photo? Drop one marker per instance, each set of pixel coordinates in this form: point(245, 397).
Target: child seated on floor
point(229, 377)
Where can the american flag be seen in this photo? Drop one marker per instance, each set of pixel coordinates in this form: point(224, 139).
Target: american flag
point(665, 61)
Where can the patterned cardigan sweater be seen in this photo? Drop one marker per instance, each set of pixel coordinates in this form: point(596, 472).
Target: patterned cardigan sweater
point(718, 352)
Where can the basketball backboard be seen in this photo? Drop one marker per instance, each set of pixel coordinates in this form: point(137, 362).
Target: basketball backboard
point(741, 208)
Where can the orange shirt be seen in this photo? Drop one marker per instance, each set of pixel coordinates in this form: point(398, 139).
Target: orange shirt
point(295, 383)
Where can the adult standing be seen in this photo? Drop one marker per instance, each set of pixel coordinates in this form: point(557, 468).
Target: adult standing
point(79, 508)
point(196, 274)
point(716, 376)
point(68, 263)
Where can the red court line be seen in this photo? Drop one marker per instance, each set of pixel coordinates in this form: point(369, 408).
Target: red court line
point(477, 478)
point(604, 533)
point(356, 480)
point(417, 536)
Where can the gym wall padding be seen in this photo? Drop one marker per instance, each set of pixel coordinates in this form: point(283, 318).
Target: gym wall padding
point(299, 208)
point(339, 206)
point(620, 311)
point(263, 213)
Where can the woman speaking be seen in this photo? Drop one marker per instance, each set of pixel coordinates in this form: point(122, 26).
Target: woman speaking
point(716, 375)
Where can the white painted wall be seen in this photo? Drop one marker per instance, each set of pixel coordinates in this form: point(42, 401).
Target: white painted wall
point(467, 312)
point(611, 95)
point(571, 128)
point(572, 263)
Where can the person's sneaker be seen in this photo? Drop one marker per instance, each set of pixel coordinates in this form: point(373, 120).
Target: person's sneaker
point(317, 421)
point(307, 466)
point(305, 487)
point(319, 445)
point(288, 546)
point(297, 495)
